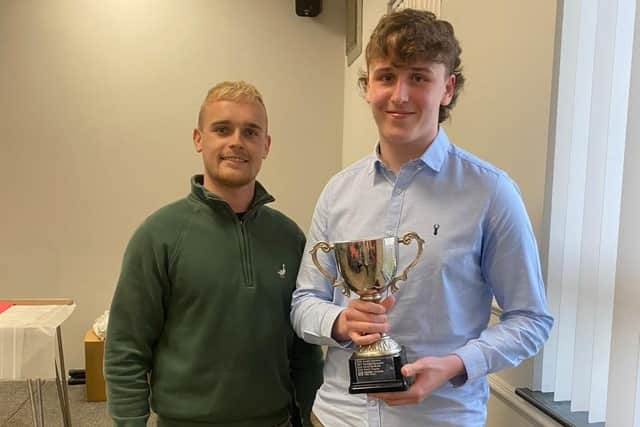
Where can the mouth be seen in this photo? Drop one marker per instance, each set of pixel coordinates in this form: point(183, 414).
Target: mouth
point(400, 114)
point(234, 159)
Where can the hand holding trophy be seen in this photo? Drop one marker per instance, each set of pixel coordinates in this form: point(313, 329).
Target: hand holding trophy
point(367, 267)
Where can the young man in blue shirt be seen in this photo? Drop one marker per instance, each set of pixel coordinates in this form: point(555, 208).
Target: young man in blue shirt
point(479, 244)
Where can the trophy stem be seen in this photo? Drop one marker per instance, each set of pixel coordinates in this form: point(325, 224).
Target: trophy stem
point(385, 346)
point(374, 296)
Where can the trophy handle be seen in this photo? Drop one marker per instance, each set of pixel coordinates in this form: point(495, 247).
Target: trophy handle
point(405, 240)
point(326, 248)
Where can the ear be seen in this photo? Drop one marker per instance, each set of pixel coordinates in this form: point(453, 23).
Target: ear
point(365, 88)
point(366, 95)
point(197, 140)
point(449, 87)
point(267, 147)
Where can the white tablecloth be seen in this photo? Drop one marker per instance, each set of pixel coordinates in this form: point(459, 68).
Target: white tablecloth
point(28, 340)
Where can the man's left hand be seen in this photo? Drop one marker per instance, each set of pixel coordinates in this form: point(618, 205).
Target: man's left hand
point(430, 373)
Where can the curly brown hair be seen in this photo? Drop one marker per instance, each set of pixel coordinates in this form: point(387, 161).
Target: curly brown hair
point(410, 35)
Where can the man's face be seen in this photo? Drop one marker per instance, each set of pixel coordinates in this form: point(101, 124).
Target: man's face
point(233, 142)
point(406, 100)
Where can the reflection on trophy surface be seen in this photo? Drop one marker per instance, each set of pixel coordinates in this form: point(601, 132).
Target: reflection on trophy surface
point(367, 267)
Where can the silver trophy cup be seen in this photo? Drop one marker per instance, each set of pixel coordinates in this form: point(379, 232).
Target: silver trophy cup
point(368, 268)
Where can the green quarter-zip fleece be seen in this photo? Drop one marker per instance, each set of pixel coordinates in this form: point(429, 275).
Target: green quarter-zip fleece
point(202, 307)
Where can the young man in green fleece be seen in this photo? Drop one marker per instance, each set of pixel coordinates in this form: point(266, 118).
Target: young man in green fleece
point(199, 323)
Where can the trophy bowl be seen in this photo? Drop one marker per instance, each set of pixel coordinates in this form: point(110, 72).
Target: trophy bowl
point(368, 268)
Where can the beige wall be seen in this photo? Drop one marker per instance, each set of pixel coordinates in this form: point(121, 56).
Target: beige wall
point(98, 101)
point(501, 414)
point(503, 114)
point(359, 131)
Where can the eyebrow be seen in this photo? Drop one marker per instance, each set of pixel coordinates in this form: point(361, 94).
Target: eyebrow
point(422, 69)
point(414, 69)
point(229, 122)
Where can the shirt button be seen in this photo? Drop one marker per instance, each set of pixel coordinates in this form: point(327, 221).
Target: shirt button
point(371, 402)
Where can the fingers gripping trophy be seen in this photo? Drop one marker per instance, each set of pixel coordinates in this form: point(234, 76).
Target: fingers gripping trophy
point(368, 268)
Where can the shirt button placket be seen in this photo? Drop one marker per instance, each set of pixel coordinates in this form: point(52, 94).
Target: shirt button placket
point(392, 221)
point(373, 412)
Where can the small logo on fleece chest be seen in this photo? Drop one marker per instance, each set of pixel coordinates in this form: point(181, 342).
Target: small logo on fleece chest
point(283, 272)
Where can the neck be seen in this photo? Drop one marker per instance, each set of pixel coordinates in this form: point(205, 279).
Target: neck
point(238, 198)
point(395, 155)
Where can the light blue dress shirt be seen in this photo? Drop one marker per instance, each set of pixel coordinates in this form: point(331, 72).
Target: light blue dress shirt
point(484, 247)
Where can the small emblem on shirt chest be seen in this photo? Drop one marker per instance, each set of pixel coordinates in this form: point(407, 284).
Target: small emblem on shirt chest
point(283, 272)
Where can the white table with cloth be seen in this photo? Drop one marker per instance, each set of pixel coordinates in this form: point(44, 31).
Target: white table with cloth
point(31, 349)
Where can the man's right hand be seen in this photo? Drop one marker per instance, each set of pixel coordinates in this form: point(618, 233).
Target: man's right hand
point(362, 322)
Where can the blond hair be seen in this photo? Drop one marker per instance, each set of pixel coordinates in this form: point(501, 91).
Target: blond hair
point(238, 91)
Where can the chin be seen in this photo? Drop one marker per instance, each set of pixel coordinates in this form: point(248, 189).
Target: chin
point(236, 181)
point(397, 138)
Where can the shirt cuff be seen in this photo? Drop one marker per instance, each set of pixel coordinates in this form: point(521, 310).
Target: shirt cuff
point(326, 327)
point(474, 364)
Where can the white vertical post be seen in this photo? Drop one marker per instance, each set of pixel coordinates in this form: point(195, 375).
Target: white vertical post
point(593, 263)
point(621, 34)
point(576, 199)
point(560, 187)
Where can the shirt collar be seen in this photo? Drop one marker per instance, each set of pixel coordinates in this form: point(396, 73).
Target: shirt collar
point(434, 156)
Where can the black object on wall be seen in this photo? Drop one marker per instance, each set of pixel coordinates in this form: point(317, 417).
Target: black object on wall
point(309, 8)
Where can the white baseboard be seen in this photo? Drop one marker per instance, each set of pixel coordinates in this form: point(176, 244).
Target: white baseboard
point(507, 394)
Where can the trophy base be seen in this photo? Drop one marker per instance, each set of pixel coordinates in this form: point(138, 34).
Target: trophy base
point(377, 374)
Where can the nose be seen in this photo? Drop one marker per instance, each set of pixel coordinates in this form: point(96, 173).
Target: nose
point(400, 92)
point(237, 138)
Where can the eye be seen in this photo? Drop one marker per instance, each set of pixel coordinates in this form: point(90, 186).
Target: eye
point(250, 132)
point(419, 78)
point(385, 77)
point(222, 130)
